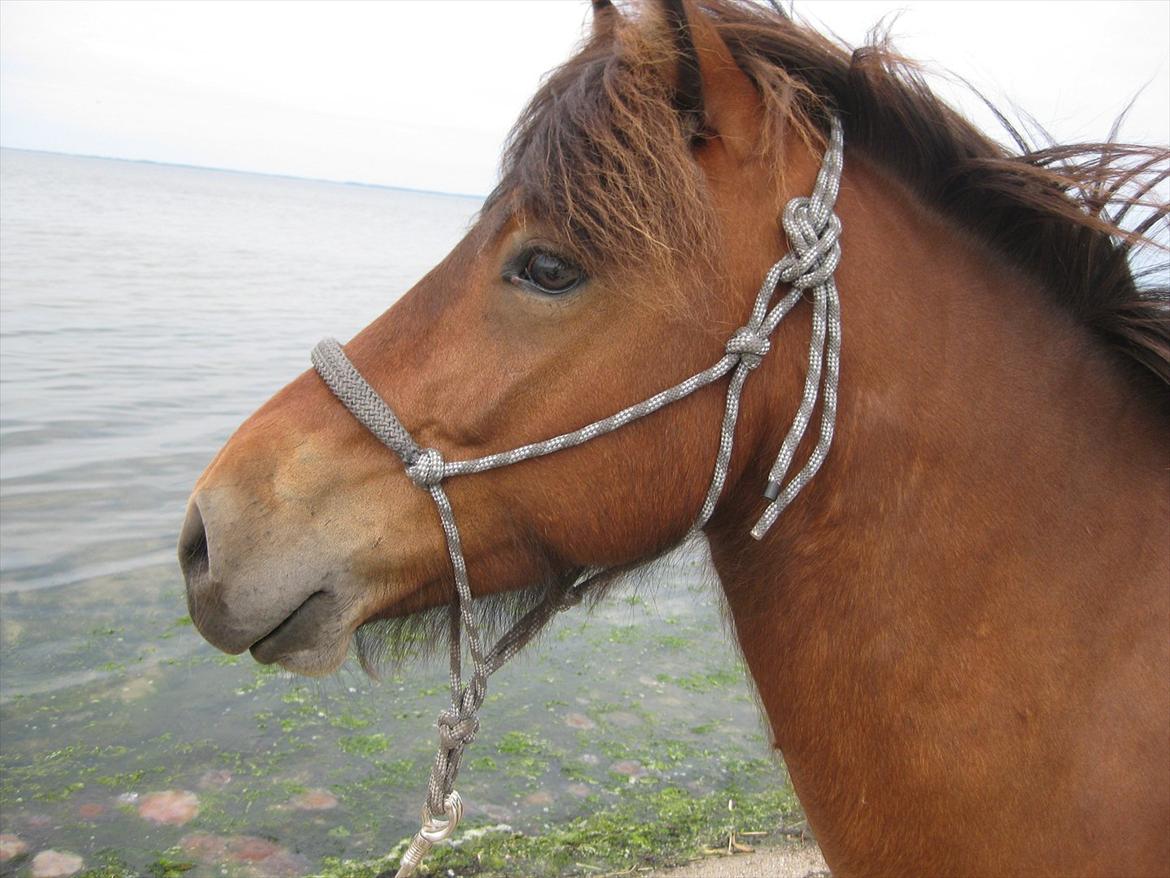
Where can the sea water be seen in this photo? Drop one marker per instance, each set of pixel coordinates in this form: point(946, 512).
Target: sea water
point(145, 310)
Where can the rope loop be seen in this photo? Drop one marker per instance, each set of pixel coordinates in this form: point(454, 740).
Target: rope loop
point(428, 468)
point(750, 345)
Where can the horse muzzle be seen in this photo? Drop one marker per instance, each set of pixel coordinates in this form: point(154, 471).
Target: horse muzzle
point(282, 605)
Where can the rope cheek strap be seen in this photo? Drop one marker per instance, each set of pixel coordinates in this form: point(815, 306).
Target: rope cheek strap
point(813, 232)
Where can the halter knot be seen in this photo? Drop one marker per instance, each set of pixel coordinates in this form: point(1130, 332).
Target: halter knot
point(455, 731)
point(749, 345)
point(814, 235)
point(428, 468)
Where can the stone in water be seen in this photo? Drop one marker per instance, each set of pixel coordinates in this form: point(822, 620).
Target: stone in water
point(628, 767)
point(579, 721)
point(56, 864)
point(216, 779)
point(314, 800)
point(11, 847)
point(169, 807)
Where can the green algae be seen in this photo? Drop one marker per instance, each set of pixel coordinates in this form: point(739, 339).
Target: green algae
point(113, 866)
point(364, 745)
point(536, 765)
point(650, 829)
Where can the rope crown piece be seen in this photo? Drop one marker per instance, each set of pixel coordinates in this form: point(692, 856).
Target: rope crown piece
point(814, 233)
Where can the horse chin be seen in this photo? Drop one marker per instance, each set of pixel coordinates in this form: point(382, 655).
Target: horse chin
point(400, 635)
point(318, 661)
point(313, 640)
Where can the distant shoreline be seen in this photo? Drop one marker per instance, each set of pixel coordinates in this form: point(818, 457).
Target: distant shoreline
point(356, 183)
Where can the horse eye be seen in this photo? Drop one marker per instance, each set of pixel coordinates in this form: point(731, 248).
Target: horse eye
point(550, 274)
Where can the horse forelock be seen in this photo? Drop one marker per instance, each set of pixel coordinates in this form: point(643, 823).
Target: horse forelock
point(600, 160)
point(603, 160)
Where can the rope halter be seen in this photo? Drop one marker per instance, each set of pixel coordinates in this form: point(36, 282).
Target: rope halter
point(813, 232)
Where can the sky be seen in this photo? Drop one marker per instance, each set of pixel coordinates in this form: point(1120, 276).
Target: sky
point(422, 94)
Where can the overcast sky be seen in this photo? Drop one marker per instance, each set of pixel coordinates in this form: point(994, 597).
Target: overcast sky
point(421, 94)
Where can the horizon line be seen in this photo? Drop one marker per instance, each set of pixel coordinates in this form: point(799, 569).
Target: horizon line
point(336, 182)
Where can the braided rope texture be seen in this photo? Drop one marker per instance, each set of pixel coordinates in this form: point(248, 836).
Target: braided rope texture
point(814, 233)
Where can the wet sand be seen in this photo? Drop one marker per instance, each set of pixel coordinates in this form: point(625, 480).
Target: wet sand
point(786, 861)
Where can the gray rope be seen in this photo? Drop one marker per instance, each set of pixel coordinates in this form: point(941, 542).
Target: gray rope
point(814, 233)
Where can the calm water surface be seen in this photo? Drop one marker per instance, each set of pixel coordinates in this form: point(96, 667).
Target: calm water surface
point(145, 310)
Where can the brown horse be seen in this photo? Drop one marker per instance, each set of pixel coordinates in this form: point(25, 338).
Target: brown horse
point(960, 630)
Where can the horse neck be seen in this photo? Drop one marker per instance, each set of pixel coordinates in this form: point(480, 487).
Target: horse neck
point(985, 528)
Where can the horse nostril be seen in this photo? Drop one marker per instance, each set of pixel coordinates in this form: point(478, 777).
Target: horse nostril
point(193, 548)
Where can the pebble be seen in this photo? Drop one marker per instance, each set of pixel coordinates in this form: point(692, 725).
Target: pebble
point(137, 688)
point(579, 790)
point(624, 719)
point(579, 721)
point(494, 812)
point(251, 849)
point(11, 847)
point(260, 857)
point(90, 810)
point(204, 846)
point(540, 798)
point(282, 864)
point(629, 767)
point(265, 858)
point(171, 807)
point(56, 864)
point(314, 800)
point(215, 780)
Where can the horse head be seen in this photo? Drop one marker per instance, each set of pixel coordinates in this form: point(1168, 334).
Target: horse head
point(636, 216)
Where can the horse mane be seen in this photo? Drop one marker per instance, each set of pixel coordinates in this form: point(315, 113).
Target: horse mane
point(603, 159)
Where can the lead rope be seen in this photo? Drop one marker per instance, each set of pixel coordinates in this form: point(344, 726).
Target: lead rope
point(813, 232)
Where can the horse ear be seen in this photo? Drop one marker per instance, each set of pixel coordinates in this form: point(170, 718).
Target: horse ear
point(605, 18)
point(710, 88)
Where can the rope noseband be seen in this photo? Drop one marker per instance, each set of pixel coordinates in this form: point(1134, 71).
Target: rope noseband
point(813, 232)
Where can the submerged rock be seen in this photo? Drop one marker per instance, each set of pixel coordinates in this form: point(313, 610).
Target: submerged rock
point(11, 847)
point(56, 864)
point(250, 849)
point(257, 857)
point(631, 768)
point(492, 811)
point(204, 846)
point(90, 810)
point(170, 807)
point(215, 780)
point(280, 865)
point(314, 800)
point(623, 719)
point(539, 799)
point(137, 688)
point(579, 790)
point(579, 721)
